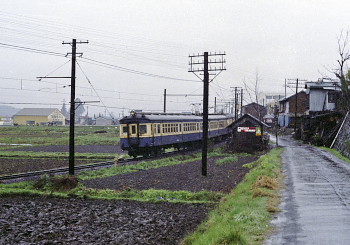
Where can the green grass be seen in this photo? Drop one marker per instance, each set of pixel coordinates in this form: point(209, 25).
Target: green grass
point(224, 160)
point(151, 195)
point(144, 165)
point(336, 153)
point(241, 217)
point(59, 135)
point(244, 215)
point(54, 155)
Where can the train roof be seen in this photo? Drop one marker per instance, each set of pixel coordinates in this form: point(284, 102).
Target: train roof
point(170, 117)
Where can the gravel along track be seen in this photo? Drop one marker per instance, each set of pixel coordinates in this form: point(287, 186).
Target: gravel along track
point(35, 220)
point(186, 176)
point(12, 166)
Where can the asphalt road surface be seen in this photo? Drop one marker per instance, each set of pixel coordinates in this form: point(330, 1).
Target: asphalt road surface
point(316, 200)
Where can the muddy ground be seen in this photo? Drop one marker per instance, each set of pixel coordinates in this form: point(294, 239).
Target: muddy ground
point(186, 176)
point(35, 220)
point(11, 166)
point(20, 165)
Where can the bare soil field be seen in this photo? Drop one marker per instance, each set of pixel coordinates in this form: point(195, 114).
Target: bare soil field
point(20, 165)
point(43, 220)
point(35, 220)
point(186, 176)
point(12, 166)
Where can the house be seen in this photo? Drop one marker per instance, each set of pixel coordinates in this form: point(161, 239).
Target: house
point(322, 96)
point(39, 116)
point(291, 106)
point(255, 109)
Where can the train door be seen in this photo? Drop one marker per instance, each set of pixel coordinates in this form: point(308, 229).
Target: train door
point(133, 134)
point(156, 134)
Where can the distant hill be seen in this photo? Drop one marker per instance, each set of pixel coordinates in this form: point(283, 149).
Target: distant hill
point(8, 111)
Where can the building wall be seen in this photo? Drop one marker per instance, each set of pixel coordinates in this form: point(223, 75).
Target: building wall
point(317, 99)
point(303, 103)
point(23, 120)
point(57, 117)
point(255, 110)
point(103, 122)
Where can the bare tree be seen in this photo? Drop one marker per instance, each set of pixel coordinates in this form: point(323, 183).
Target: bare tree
point(253, 93)
point(342, 70)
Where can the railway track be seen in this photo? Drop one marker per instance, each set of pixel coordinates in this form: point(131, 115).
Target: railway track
point(82, 167)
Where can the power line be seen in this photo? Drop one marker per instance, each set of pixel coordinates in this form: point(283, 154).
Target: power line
point(107, 65)
point(94, 89)
point(33, 50)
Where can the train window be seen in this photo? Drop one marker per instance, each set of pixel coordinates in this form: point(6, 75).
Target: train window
point(143, 129)
point(158, 128)
point(133, 129)
point(180, 128)
point(125, 129)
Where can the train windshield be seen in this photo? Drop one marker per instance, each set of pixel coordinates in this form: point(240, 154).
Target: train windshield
point(125, 129)
point(143, 129)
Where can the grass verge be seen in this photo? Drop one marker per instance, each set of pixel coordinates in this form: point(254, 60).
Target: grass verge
point(54, 155)
point(47, 186)
point(145, 165)
point(336, 153)
point(243, 216)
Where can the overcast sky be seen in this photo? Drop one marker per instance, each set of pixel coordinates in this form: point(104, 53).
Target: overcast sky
point(139, 48)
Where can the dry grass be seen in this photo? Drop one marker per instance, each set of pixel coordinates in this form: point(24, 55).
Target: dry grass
point(64, 183)
point(266, 182)
point(61, 183)
point(263, 193)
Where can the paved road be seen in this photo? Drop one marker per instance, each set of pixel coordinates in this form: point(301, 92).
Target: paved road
point(316, 201)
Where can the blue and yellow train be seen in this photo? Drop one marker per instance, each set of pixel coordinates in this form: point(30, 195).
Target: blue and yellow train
point(150, 134)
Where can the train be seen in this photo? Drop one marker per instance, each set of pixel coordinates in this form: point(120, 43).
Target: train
point(151, 133)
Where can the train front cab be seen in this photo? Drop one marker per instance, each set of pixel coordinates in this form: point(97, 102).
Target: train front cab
point(136, 138)
point(129, 136)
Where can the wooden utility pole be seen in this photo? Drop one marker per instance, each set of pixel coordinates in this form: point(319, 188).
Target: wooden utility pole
point(236, 98)
point(205, 69)
point(297, 80)
point(296, 106)
point(205, 115)
point(72, 106)
point(285, 96)
point(241, 100)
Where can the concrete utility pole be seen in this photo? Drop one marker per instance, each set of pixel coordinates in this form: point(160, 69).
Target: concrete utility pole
point(164, 110)
point(206, 69)
point(72, 105)
point(215, 105)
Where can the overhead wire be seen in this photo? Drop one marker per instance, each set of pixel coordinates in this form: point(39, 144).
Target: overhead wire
point(110, 114)
point(107, 65)
point(33, 50)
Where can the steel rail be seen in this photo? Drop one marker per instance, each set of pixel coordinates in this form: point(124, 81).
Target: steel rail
point(80, 167)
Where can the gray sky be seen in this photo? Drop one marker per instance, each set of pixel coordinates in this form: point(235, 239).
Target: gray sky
point(276, 39)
